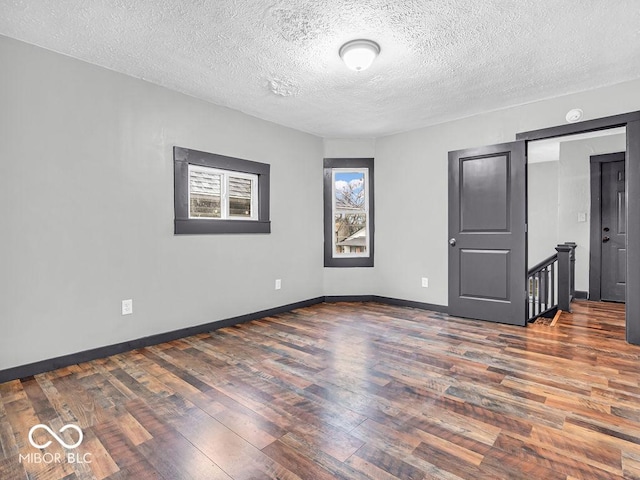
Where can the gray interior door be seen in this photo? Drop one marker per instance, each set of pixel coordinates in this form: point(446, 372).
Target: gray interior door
point(613, 271)
point(487, 238)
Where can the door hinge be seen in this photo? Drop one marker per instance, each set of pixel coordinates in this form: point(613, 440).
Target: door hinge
point(526, 228)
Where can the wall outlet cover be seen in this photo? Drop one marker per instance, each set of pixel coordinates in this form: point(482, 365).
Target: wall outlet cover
point(127, 307)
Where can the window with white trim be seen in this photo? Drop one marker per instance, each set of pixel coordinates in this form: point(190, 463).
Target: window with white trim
point(350, 212)
point(348, 193)
point(222, 194)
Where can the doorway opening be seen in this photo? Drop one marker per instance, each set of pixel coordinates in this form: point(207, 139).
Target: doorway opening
point(565, 205)
point(503, 266)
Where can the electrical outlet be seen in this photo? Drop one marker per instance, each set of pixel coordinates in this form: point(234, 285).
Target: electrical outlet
point(278, 284)
point(425, 282)
point(127, 307)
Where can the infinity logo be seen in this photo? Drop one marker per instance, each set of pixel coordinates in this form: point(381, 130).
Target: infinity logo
point(53, 434)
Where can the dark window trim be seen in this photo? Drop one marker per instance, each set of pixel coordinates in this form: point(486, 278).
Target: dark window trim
point(182, 158)
point(329, 259)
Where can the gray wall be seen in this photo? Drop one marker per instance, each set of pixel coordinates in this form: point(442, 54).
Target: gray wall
point(543, 210)
point(411, 194)
point(86, 201)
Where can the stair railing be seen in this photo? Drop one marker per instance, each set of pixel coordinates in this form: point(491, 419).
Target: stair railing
point(551, 283)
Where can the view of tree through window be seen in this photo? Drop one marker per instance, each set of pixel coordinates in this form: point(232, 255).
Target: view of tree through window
point(350, 212)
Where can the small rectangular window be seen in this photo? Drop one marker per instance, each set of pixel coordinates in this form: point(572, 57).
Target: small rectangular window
point(348, 212)
point(222, 194)
point(218, 194)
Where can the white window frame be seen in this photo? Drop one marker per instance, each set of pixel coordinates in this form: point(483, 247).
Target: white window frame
point(337, 211)
point(224, 194)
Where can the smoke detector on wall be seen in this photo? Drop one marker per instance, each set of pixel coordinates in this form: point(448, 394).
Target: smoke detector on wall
point(574, 115)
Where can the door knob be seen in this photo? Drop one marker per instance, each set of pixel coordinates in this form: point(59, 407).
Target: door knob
point(605, 239)
point(452, 242)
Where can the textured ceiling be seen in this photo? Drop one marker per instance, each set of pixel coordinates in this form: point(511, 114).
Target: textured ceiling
point(278, 59)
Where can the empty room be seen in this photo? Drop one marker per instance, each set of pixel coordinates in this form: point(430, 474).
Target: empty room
point(316, 240)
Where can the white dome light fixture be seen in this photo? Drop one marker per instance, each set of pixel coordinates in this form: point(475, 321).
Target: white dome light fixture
point(359, 54)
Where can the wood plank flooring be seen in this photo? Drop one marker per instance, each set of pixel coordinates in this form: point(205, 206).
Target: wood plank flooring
point(345, 390)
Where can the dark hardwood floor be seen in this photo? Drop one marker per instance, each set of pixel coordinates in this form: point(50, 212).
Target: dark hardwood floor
point(344, 390)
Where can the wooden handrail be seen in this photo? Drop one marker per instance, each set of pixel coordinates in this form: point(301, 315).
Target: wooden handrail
point(545, 294)
point(544, 263)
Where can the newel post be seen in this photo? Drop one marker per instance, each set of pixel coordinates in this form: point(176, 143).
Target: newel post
point(572, 269)
point(565, 252)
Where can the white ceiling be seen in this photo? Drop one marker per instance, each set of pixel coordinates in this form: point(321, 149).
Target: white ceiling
point(278, 59)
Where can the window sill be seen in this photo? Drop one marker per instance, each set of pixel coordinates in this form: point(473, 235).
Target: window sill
point(348, 262)
point(214, 227)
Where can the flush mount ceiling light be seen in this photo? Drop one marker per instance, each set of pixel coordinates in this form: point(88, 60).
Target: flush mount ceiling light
point(359, 54)
point(574, 115)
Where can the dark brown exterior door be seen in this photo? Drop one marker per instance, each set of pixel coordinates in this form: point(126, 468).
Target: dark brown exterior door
point(487, 238)
point(613, 280)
